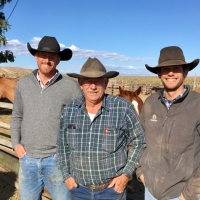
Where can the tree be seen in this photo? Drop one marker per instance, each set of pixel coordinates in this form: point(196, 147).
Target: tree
point(6, 55)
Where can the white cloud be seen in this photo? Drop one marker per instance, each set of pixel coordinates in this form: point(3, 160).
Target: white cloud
point(20, 48)
point(85, 53)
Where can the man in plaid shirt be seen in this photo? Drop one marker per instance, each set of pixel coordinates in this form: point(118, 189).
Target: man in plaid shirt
point(95, 132)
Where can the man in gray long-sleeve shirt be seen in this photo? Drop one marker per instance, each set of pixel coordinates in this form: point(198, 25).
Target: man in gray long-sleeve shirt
point(39, 99)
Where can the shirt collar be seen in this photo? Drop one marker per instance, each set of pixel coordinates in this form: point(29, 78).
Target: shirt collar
point(81, 102)
point(48, 82)
point(167, 102)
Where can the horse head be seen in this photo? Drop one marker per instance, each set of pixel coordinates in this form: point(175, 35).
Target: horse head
point(133, 97)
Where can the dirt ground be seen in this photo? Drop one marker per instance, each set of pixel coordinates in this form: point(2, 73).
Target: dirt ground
point(8, 192)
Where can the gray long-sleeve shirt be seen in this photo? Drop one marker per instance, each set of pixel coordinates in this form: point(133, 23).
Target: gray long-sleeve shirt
point(36, 113)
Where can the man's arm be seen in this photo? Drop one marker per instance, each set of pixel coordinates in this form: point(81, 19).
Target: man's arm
point(63, 152)
point(16, 120)
point(191, 190)
point(136, 140)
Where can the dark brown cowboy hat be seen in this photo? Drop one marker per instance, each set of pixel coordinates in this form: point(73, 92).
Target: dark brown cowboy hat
point(169, 56)
point(93, 68)
point(50, 44)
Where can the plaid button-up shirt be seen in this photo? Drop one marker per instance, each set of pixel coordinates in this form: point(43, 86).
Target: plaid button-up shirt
point(93, 152)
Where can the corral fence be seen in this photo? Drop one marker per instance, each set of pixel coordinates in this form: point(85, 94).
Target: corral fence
point(147, 89)
point(113, 87)
point(9, 162)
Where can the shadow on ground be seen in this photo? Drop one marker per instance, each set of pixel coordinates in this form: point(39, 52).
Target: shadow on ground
point(7, 189)
point(135, 189)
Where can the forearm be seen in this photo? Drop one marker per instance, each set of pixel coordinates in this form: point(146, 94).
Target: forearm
point(191, 190)
point(16, 120)
point(63, 152)
point(134, 154)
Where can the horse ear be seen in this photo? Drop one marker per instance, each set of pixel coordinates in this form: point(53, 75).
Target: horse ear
point(120, 90)
point(138, 91)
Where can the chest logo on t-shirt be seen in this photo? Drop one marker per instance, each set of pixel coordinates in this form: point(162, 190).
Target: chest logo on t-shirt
point(154, 118)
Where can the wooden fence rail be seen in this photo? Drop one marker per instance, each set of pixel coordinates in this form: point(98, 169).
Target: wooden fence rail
point(9, 162)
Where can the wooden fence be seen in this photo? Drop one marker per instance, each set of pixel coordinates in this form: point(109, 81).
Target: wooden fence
point(9, 161)
point(113, 87)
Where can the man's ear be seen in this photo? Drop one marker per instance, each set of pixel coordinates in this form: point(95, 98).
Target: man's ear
point(36, 56)
point(106, 82)
point(185, 72)
point(58, 59)
point(80, 82)
point(159, 74)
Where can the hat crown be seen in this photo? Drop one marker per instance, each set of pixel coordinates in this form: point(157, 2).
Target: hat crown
point(93, 66)
point(48, 43)
point(171, 53)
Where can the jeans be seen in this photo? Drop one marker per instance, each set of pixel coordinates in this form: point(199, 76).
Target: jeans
point(83, 193)
point(34, 173)
point(149, 196)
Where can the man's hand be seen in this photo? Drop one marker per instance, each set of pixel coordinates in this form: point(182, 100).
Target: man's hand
point(120, 183)
point(182, 197)
point(70, 183)
point(142, 179)
point(19, 150)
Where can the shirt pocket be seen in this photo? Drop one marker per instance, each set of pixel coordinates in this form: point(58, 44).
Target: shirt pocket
point(71, 138)
point(110, 139)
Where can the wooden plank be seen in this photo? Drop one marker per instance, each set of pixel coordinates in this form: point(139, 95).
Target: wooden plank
point(4, 125)
point(6, 105)
point(8, 150)
point(6, 143)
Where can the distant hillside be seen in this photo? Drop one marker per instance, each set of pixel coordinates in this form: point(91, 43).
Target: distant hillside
point(14, 71)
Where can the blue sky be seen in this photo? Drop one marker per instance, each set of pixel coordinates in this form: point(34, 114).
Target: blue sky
point(123, 34)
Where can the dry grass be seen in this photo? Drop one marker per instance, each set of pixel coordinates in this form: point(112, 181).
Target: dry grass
point(153, 80)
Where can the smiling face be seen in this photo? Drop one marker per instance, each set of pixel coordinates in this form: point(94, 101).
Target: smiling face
point(47, 63)
point(93, 89)
point(173, 77)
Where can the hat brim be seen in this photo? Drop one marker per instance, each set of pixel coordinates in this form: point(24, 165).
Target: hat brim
point(156, 69)
point(110, 74)
point(65, 54)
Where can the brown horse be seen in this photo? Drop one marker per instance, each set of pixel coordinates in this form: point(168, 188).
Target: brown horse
point(7, 88)
point(132, 97)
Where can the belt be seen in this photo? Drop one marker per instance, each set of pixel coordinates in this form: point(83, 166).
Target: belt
point(98, 187)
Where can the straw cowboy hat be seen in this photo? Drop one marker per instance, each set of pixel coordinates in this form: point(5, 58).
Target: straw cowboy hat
point(169, 56)
point(50, 44)
point(93, 68)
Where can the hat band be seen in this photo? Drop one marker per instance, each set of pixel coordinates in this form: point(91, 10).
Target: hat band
point(171, 62)
point(48, 49)
point(92, 74)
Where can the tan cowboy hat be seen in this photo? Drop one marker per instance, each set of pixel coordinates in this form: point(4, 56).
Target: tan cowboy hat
point(93, 68)
point(50, 44)
point(172, 55)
